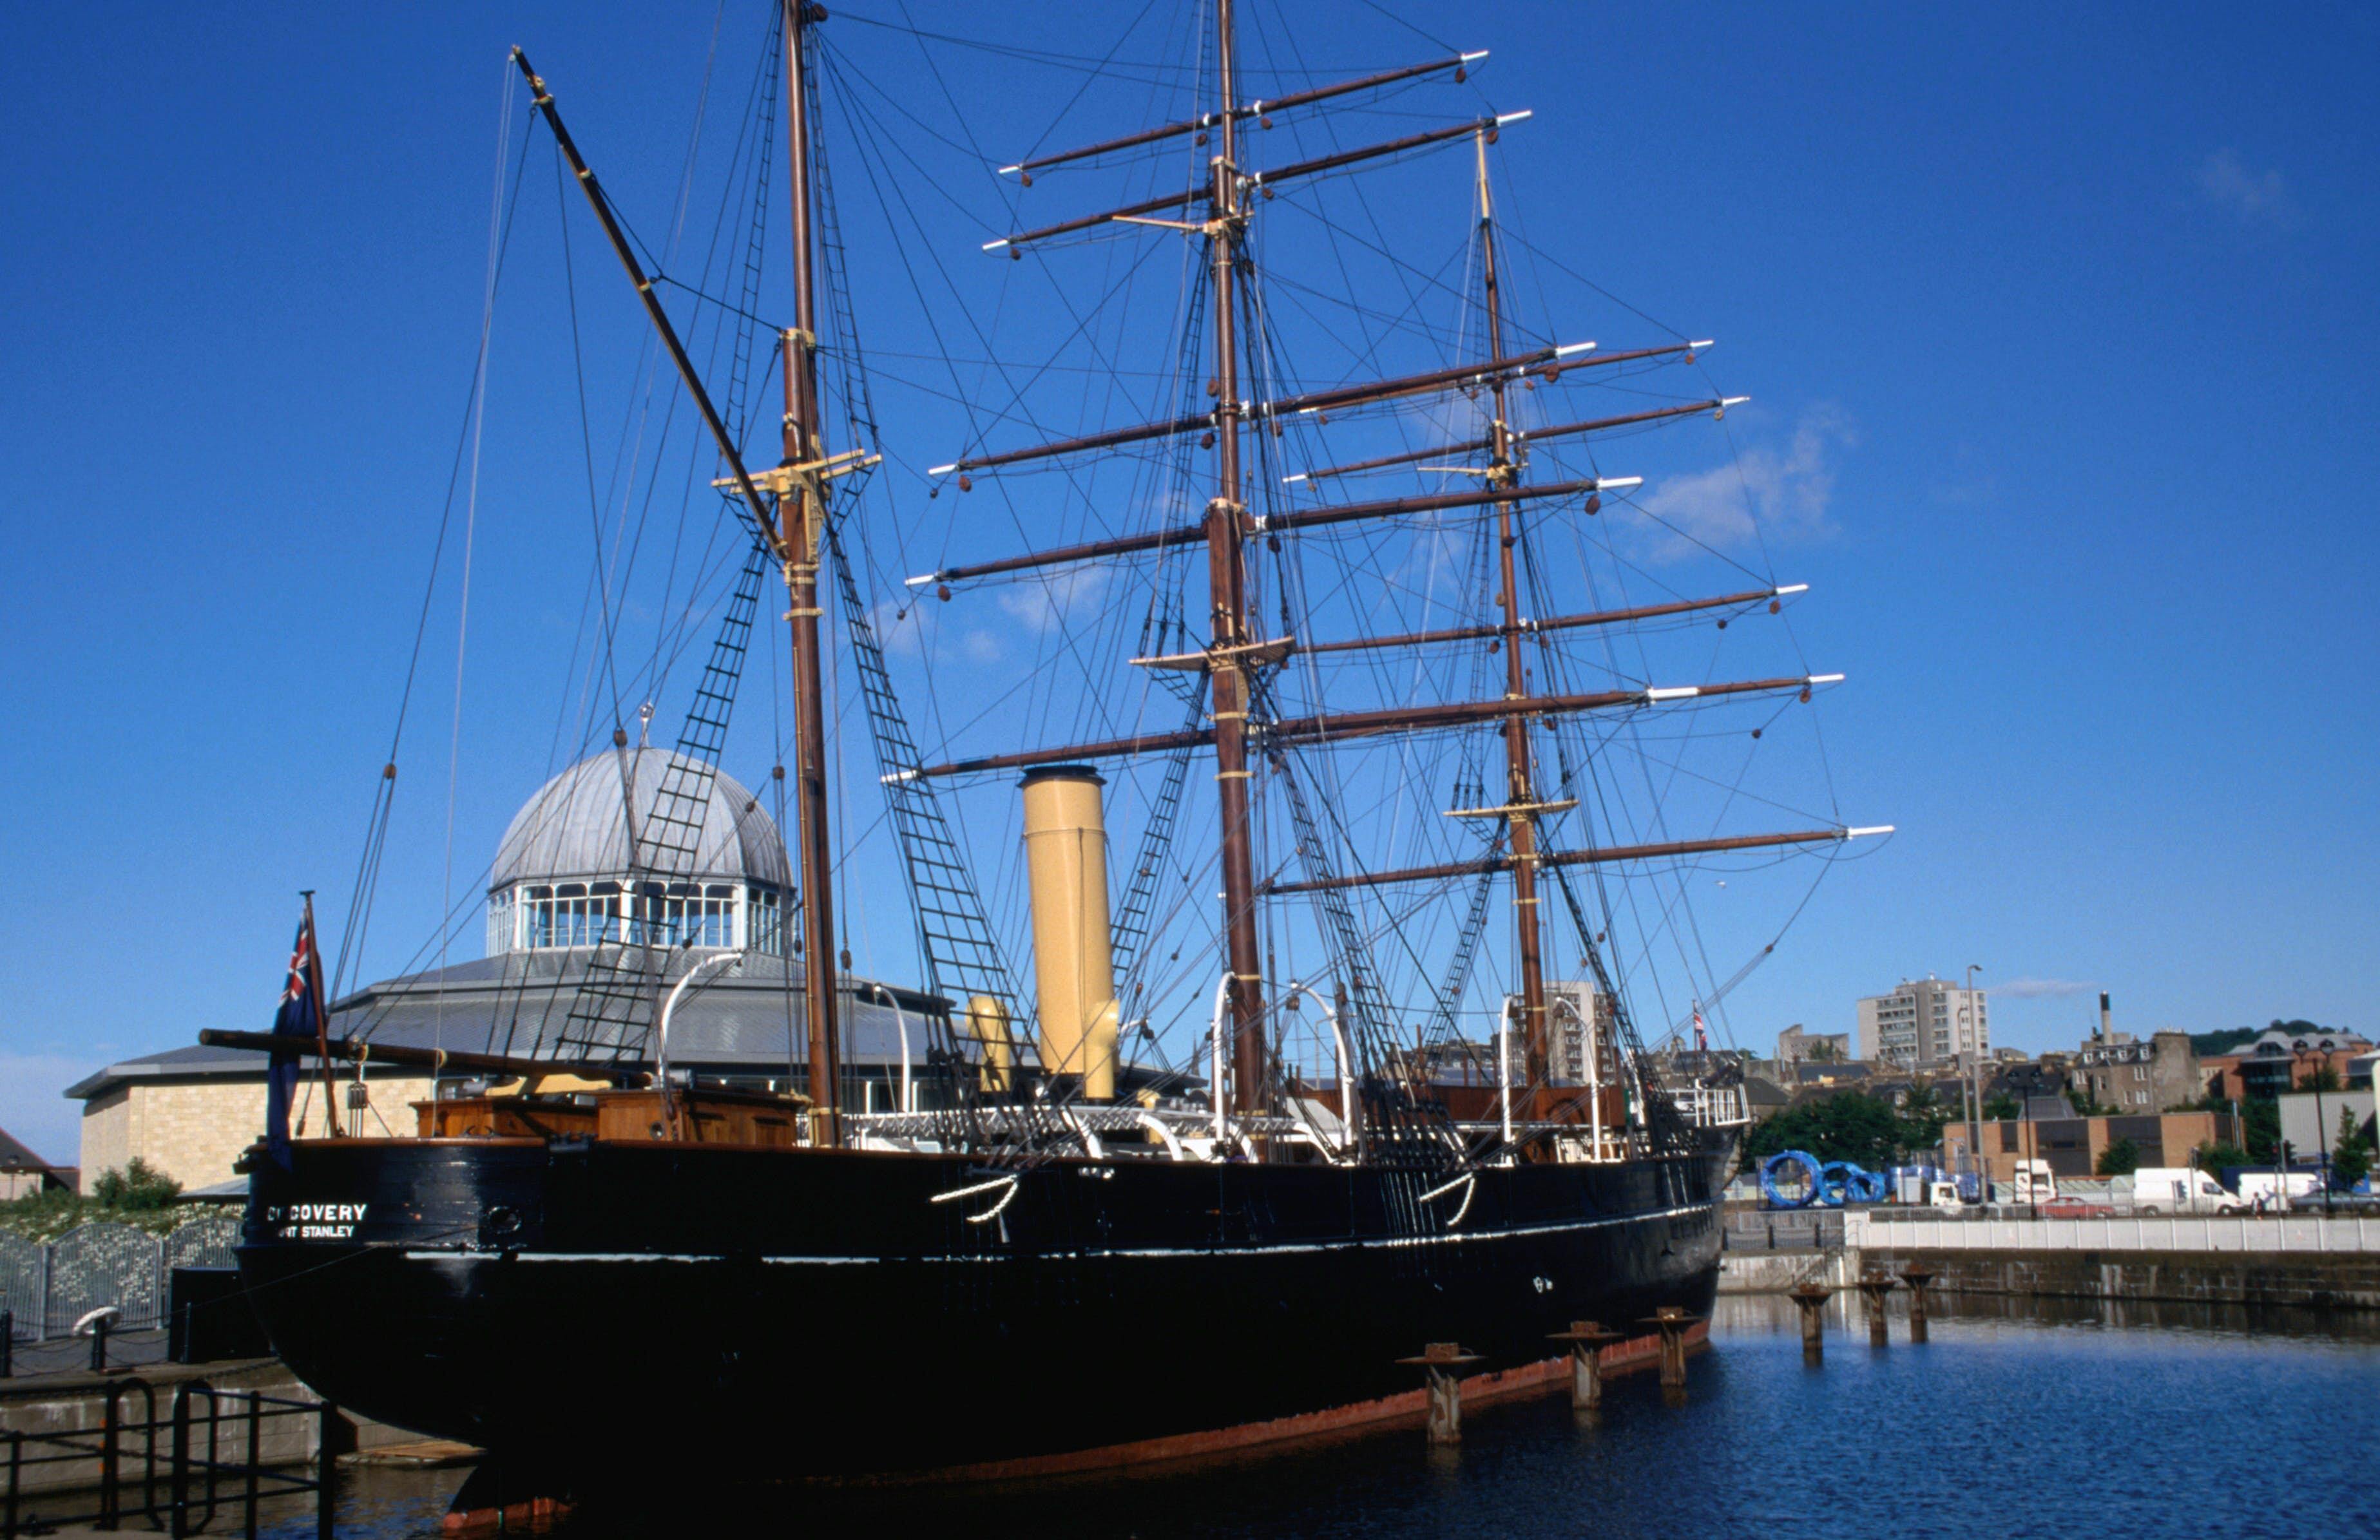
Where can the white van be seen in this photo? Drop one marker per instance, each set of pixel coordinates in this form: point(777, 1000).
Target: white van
point(2179, 1190)
point(2266, 1185)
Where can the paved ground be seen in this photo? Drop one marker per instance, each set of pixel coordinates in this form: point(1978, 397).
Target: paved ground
point(72, 1354)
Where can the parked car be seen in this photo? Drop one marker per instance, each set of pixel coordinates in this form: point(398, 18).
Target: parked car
point(2075, 1208)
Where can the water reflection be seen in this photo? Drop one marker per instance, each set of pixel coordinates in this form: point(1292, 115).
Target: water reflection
point(2020, 1417)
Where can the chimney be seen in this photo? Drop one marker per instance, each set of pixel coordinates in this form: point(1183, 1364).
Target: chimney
point(1073, 971)
point(2106, 1018)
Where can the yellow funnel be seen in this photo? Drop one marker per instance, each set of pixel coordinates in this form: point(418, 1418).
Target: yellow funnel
point(1066, 853)
point(985, 1020)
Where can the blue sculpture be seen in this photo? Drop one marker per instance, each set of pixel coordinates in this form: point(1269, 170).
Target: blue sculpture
point(1813, 1178)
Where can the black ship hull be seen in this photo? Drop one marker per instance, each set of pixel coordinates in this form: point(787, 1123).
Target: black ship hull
point(601, 1309)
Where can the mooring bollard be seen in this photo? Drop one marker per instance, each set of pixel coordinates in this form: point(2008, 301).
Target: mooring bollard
point(99, 1344)
point(1917, 1278)
point(1441, 1361)
point(1876, 1286)
point(1813, 1298)
point(1588, 1339)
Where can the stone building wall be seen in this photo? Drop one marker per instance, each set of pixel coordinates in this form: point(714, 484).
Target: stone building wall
point(194, 1130)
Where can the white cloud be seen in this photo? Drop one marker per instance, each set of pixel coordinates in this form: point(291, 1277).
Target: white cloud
point(2040, 989)
point(1768, 492)
point(1042, 602)
point(2252, 197)
point(32, 1108)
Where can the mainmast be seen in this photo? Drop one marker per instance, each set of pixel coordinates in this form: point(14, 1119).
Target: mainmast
point(1521, 806)
point(1229, 658)
point(801, 513)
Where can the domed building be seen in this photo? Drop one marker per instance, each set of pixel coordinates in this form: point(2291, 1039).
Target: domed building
point(560, 885)
point(560, 874)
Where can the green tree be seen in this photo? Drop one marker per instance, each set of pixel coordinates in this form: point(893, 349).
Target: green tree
point(2000, 1107)
point(2214, 1158)
point(2324, 1078)
point(1847, 1125)
point(2121, 1158)
point(136, 1186)
point(1923, 1114)
point(2262, 1119)
point(2350, 1157)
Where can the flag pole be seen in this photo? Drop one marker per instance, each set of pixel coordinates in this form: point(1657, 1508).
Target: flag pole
point(322, 1015)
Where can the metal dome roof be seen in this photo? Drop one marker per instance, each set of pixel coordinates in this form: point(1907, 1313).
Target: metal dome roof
point(575, 827)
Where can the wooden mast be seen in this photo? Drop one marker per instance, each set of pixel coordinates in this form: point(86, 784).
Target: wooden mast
point(1520, 797)
point(801, 511)
point(1227, 595)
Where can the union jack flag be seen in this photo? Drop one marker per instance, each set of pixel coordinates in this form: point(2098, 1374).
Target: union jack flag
point(300, 1016)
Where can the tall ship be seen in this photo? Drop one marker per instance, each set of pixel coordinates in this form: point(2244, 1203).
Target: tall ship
point(1321, 761)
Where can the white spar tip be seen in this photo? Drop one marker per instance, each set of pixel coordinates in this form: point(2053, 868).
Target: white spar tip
point(1673, 692)
point(1605, 483)
point(995, 245)
point(1566, 349)
point(1502, 118)
point(943, 470)
point(1287, 479)
point(1824, 679)
point(1474, 58)
point(1727, 401)
point(1790, 587)
point(1872, 829)
point(1009, 170)
point(1699, 346)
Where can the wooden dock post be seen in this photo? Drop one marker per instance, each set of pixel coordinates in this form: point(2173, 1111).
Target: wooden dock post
point(1671, 1322)
point(1876, 1286)
point(1811, 1298)
point(1917, 1278)
point(1441, 1362)
point(1588, 1339)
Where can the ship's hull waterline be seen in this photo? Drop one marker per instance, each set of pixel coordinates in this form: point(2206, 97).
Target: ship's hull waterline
point(593, 1308)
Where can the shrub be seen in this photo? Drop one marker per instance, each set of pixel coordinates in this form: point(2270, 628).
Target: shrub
point(136, 1186)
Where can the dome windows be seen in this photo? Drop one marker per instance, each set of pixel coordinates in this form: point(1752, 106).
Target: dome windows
point(537, 917)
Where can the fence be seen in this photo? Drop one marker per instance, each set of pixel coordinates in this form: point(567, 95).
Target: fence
point(2292, 1232)
point(1784, 1229)
point(213, 1449)
point(46, 1288)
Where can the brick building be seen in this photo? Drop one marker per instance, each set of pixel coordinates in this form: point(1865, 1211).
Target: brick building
point(2136, 1077)
point(2072, 1145)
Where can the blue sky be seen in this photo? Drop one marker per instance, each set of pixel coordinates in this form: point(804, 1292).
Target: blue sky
point(2058, 321)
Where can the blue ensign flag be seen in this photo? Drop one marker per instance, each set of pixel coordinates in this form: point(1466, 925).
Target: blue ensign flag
point(299, 1018)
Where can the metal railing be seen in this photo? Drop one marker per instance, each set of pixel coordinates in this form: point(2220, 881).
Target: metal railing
point(2242, 1232)
point(47, 1286)
point(1783, 1230)
point(177, 1472)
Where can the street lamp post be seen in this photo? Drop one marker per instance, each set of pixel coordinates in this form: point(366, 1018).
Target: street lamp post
point(1975, 1084)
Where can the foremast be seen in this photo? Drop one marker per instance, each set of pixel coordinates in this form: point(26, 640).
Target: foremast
point(786, 510)
point(801, 533)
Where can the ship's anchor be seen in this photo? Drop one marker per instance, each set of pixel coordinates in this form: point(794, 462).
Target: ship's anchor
point(1010, 1181)
point(1468, 1182)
